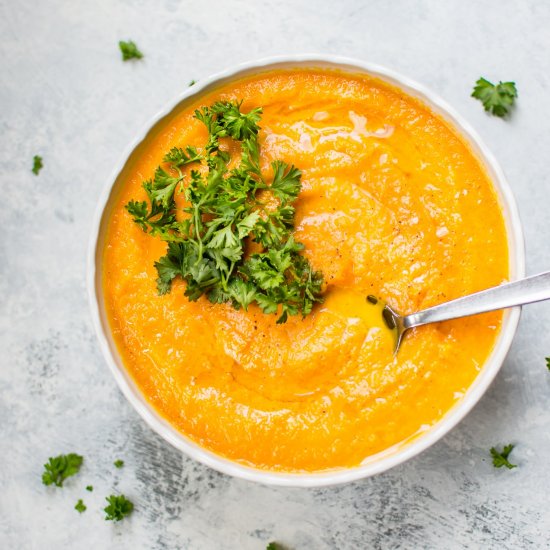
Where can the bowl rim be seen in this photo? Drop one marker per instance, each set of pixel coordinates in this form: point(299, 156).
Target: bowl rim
point(388, 458)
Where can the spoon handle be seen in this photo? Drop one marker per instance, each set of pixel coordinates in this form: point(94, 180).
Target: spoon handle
point(524, 291)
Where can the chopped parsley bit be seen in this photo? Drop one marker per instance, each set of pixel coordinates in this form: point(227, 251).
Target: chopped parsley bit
point(501, 458)
point(129, 50)
point(59, 468)
point(89, 488)
point(192, 82)
point(272, 546)
point(119, 463)
point(119, 507)
point(37, 164)
point(498, 99)
point(548, 363)
point(80, 506)
point(225, 210)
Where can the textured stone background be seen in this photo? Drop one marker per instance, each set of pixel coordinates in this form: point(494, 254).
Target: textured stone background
point(66, 95)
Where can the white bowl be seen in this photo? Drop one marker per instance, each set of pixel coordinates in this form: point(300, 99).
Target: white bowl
point(381, 461)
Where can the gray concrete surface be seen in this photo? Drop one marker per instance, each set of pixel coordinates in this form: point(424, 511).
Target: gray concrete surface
point(67, 96)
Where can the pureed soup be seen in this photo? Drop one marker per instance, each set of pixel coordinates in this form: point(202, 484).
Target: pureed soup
point(393, 204)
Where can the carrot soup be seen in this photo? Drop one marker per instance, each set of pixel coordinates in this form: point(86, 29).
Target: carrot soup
point(393, 204)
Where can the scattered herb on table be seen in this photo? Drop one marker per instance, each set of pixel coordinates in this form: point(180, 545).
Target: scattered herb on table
point(118, 508)
point(273, 546)
point(501, 458)
point(59, 468)
point(118, 463)
point(129, 50)
point(80, 506)
point(497, 99)
point(89, 488)
point(548, 363)
point(37, 164)
point(227, 209)
point(192, 82)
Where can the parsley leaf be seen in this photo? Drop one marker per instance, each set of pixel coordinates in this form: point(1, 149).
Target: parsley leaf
point(118, 508)
point(548, 363)
point(159, 219)
point(272, 546)
point(178, 157)
point(129, 50)
point(243, 293)
point(161, 189)
point(191, 83)
point(250, 157)
point(36, 164)
point(118, 463)
point(89, 488)
point(59, 468)
point(225, 211)
point(286, 181)
point(497, 99)
point(261, 270)
point(80, 506)
point(246, 224)
point(238, 125)
point(170, 266)
point(501, 458)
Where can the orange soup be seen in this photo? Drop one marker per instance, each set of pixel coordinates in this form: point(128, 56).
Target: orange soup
point(393, 204)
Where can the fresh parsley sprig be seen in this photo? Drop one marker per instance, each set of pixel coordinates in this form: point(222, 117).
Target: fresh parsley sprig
point(225, 209)
point(500, 458)
point(129, 50)
point(497, 99)
point(37, 164)
point(59, 468)
point(118, 507)
point(80, 507)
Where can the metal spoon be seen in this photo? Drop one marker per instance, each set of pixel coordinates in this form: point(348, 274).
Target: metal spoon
point(525, 291)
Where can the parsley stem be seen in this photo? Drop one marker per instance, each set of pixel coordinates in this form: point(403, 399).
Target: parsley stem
point(197, 224)
point(225, 278)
